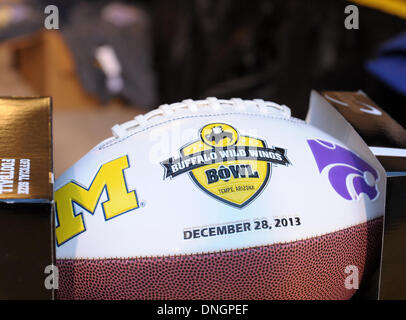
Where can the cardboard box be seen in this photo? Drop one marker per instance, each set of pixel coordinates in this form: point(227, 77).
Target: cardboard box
point(46, 64)
point(26, 193)
point(392, 276)
point(386, 138)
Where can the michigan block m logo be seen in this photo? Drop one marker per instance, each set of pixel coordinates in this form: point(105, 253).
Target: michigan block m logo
point(110, 177)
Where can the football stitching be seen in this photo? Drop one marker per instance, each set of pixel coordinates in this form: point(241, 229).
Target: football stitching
point(293, 120)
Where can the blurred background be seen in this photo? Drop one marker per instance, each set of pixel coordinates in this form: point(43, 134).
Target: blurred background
point(111, 60)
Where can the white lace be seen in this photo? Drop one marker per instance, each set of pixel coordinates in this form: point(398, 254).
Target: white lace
point(121, 130)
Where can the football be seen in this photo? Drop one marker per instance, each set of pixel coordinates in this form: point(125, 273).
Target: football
point(219, 199)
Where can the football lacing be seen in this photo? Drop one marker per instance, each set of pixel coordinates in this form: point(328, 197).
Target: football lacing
point(121, 130)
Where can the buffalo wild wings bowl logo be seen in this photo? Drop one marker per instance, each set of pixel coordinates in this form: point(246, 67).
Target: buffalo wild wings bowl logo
point(229, 167)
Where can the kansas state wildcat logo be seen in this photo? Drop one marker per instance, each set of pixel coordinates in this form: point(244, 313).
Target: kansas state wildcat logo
point(349, 175)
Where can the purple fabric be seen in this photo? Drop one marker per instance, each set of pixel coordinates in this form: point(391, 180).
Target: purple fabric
point(390, 65)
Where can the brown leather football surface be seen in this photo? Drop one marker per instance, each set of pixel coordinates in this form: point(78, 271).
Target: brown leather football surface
point(307, 269)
